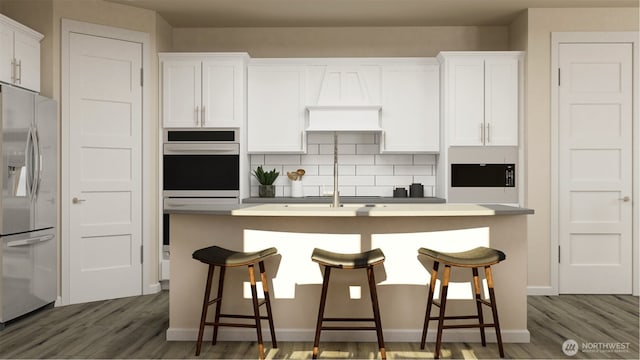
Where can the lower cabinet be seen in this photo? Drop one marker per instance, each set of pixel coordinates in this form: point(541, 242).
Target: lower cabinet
point(276, 108)
point(411, 108)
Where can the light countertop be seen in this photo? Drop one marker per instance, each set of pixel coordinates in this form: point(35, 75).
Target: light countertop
point(357, 210)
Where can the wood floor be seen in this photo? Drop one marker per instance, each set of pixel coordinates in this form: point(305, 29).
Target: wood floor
point(134, 328)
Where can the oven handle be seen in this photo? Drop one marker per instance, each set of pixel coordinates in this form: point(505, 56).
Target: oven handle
point(196, 203)
point(201, 149)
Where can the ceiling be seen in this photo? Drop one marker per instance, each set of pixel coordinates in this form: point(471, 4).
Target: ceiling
point(302, 13)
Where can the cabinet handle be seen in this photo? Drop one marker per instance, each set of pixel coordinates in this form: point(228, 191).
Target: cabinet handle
point(488, 133)
point(197, 115)
point(13, 70)
point(202, 118)
point(481, 133)
point(19, 72)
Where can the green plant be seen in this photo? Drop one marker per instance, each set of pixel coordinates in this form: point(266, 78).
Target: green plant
point(265, 177)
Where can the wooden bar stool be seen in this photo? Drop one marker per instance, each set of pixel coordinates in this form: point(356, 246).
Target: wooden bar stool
point(366, 260)
point(474, 259)
point(223, 258)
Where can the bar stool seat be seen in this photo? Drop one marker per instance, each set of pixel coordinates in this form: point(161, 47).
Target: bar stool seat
point(216, 256)
point(474, 259)
point(365, 260)
point(348, 261)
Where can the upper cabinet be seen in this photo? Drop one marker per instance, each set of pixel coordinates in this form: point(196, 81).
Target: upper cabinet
point(19, 54)
point(411, 107)
point(398, 98)
point(481, 97)
point(276, 107)
point(203, 90)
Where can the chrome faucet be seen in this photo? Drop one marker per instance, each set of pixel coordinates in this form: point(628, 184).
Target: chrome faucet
point(336, 193)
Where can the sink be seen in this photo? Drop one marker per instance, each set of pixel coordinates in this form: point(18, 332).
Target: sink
point(324, 206)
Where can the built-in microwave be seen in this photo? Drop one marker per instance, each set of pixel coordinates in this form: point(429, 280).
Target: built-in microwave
point(483, 175)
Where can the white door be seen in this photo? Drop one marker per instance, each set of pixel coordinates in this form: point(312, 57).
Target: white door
point(501, 101)
point(222, 93)
point(465, 100)
point(27, 53)
point(181, 93)
point(105, 122)
point(595, 167)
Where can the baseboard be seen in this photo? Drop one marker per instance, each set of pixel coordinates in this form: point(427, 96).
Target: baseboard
point(58, 301)
point(541, 291)
point(152, 289)
point(307, 335)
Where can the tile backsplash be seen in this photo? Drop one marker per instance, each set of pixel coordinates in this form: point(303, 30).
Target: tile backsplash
point(362, 170)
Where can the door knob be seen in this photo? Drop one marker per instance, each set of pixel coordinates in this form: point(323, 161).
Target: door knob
point(75, 200)
point(625, 199)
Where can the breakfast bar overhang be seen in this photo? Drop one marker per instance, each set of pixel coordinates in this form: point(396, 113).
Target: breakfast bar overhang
point(397, 229)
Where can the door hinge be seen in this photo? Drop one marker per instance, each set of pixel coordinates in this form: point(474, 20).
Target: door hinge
point(141, 77)
point(558, 76)
point(558, 254)
point(141, 254)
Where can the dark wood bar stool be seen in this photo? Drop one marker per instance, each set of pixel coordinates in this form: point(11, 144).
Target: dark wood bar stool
point(366, 260)
point(223, 258)
point(474, 259)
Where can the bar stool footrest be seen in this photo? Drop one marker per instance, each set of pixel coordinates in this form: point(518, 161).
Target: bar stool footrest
point(348, 328)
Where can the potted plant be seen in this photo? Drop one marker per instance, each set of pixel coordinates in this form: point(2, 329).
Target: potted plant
point(266, 180)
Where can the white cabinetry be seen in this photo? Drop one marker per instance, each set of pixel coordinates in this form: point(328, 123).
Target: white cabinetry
point(411, 107)
point(19, 54)
point(276, 107)
point(481, 97)
point(203, 90)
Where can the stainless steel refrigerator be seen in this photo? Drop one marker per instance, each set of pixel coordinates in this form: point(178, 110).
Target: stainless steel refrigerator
point(28, 204)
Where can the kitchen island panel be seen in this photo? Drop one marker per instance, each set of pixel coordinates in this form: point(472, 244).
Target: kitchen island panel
point(402, 281)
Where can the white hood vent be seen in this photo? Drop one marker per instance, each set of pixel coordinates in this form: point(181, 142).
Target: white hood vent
point(344, 104)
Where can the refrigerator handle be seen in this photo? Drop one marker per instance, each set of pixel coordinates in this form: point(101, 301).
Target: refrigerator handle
point(29, 163)
point(30, 241)
point(38, 162)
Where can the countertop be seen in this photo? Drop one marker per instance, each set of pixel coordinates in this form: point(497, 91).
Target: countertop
point(356, 210)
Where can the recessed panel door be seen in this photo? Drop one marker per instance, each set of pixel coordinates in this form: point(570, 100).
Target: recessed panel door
point(105, 97)
point(595, 168)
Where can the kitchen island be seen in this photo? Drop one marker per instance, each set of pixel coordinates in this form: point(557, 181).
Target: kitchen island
point(398, 229)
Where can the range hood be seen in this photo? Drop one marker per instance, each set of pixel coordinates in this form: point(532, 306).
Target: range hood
point(344, 104)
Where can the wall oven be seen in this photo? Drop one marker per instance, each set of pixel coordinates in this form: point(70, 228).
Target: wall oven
point(200, 167)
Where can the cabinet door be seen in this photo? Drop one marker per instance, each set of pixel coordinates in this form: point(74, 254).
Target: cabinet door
point(27, 55)
point(6, 54)
point(222, 93)
point(465, 100)
point(410, 109)
point(501, 101)
point(181, 93)
point(276, 112)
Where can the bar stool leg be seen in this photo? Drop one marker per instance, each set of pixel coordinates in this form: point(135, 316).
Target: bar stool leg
point(256, 309)
point(323, 299)
point(205, 306)
point(443, 305)
point(427, 316)
point(216, 320)
point(477, 288)
point(267, 301)
point(494, 308)
point(376, 310)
